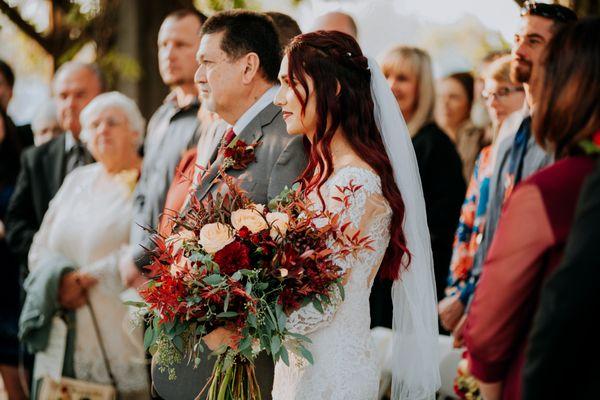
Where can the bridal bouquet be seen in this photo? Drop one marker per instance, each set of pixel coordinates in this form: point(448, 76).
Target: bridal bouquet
point(242, 266)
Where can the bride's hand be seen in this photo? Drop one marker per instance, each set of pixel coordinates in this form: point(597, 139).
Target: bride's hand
point(220, 336)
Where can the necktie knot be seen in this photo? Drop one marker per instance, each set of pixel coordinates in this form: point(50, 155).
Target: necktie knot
point(228, 138)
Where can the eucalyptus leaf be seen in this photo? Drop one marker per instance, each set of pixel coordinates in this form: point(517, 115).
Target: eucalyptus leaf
point(227, 314)
point(213, 280)
point(148, 337)
point(306, 354)
point(275, 344)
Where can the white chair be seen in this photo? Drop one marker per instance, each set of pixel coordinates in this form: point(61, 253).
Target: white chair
point(449, 358)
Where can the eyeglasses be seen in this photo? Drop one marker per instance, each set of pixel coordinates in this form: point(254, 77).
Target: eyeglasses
point(501, 93)
point(551, 11)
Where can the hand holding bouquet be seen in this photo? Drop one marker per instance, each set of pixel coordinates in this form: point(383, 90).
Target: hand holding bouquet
point(241, 268)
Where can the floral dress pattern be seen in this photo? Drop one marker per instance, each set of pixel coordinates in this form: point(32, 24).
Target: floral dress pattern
point(470, 228)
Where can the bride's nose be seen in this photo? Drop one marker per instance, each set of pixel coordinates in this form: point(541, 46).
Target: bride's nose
point(279, 98)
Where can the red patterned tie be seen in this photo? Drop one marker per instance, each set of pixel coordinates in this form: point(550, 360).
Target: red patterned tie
point(228, 138)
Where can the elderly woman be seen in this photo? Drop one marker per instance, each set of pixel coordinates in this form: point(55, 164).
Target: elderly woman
point(81, 240)
point(502, 99)
point(409, 74)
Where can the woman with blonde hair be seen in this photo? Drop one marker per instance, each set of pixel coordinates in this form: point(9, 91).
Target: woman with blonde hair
point(409, 74)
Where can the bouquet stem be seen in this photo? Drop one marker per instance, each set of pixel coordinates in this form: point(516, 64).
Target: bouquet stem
point(233, 378)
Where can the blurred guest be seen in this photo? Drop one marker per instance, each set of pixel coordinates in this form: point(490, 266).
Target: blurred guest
point(10, 150)
point(172, 130)
point(537, 218)
point(408, 71)
point(502, 96)
point(7, 83)
point(453, 114)
point(564, 331)
point(44, 168)
point(518, 155)
point(287, 27)
point(336, 21)
point(502, 99)
point(45, 124)
point(479, 114)
point(74, 257)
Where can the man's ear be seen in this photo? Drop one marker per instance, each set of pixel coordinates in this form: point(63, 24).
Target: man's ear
point(338, 88)
point(251, 66)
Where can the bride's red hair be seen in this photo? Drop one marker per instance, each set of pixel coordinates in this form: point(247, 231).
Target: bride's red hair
point(342, 85)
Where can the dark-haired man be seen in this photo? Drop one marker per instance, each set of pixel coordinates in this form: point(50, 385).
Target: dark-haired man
point(519, 156)
point(239, 58)
point(287, 27)
point(173, 129)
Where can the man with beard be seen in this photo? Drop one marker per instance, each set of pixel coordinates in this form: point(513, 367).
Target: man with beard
point(518, 155)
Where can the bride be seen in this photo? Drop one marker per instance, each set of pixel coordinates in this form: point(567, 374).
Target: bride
point(340, 101)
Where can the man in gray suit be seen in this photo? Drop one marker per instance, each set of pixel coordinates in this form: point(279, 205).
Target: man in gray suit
point(239, 58)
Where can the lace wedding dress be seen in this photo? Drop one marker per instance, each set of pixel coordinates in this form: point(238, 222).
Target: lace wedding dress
point(88, 222)
point(344, 360)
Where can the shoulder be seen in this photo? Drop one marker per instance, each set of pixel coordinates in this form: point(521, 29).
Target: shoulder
point(55, 146)
point(355, 179)
point(276, 138)
point(83, 173)
point(560, 182)
point(431, 135)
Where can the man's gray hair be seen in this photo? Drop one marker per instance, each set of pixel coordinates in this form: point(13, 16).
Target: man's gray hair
point(45, 113)
point(117, 100)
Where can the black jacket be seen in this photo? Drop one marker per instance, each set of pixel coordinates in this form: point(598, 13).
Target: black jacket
point(444, 189)
point(42, 173)
point(562, 358)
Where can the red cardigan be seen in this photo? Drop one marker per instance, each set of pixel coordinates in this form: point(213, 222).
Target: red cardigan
point(526, 248)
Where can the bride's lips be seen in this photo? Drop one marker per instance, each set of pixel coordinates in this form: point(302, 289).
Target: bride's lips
point(286, 114)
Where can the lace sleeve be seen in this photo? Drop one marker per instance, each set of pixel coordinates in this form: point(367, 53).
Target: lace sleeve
point(368, 212)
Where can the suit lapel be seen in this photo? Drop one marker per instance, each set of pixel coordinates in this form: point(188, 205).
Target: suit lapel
point(55, 164)
point(252, 133)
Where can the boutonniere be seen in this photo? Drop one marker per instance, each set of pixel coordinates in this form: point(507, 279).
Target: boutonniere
point(238, 154)
point(591, 146)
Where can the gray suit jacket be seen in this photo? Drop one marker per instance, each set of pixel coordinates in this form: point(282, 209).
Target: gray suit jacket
point(280, 158)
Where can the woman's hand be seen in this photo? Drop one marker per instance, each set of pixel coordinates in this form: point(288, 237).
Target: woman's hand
point(221, 336)
point(72, 291)
point(451, 309)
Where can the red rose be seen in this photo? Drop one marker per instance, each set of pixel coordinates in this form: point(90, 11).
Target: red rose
point(596, 138)
point(233, 257)
point(244, 232)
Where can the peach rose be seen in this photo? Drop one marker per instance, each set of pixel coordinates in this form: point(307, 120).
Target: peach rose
point(251, 218)
point(279, 224)
point(177, 239)
point(213, 237)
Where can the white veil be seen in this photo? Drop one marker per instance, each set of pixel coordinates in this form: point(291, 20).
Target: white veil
point(415, 362)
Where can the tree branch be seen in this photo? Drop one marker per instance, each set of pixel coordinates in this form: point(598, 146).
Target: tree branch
point(25, 26)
